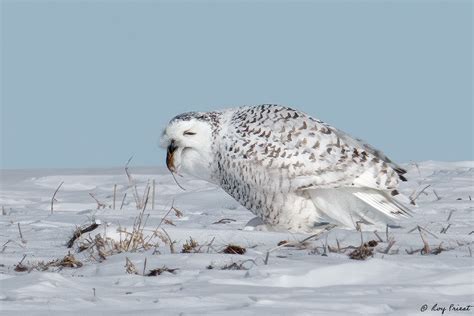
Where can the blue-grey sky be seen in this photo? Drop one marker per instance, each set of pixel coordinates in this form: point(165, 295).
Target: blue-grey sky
point(89, 83)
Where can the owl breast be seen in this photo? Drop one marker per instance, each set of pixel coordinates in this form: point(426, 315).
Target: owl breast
point(195, 164)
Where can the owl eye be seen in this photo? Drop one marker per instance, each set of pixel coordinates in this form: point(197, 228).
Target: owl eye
point(189, 133)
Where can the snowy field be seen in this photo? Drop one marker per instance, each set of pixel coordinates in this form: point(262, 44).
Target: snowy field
point(135, 264)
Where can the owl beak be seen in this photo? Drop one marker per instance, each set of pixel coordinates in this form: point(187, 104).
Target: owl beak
point(170, 156)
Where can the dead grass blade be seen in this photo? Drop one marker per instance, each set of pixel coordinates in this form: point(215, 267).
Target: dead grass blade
point(54, 196)
point(426, 247)
point(414, 196)
point(191, 246)
point(79, 231)
point(19, 267)
point(130, 267)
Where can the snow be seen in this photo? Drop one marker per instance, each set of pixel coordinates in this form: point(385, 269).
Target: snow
point(306, 279)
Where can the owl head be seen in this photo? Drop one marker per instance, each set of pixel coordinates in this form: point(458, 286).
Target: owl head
point(188, 141)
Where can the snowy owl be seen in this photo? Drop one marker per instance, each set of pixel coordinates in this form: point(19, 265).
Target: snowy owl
point(292, 171)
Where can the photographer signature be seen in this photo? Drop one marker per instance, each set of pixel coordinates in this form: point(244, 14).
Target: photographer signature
point(444, 309)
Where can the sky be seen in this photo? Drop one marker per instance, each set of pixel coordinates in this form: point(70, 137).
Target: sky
point(91, 83)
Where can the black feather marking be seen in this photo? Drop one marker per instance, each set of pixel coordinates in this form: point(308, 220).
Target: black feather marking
point(400, 170)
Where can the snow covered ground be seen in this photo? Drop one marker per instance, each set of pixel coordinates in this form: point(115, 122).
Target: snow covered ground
point(316, 277)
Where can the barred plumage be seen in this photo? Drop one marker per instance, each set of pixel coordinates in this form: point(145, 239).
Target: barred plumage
point(293, 171)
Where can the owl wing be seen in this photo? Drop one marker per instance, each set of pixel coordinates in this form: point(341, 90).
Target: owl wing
point(310, 153)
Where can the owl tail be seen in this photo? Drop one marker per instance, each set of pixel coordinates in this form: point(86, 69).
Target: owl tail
point(366, 208)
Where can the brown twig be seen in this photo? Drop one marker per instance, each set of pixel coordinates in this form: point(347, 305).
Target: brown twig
point(78, 233)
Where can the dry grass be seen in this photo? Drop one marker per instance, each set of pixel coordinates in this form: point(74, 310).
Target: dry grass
point(159, 271)
point(100, 247)
point(177, 212)
point(234, 250)
point(135, 240)
point(100, 205)
point(130, 268)
point(140, 202)
point(426, 249)
point(233, 265)
point(191, 246)
point(364, 251)
point(79, 231)
point(69, 261)
point(20, 267)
